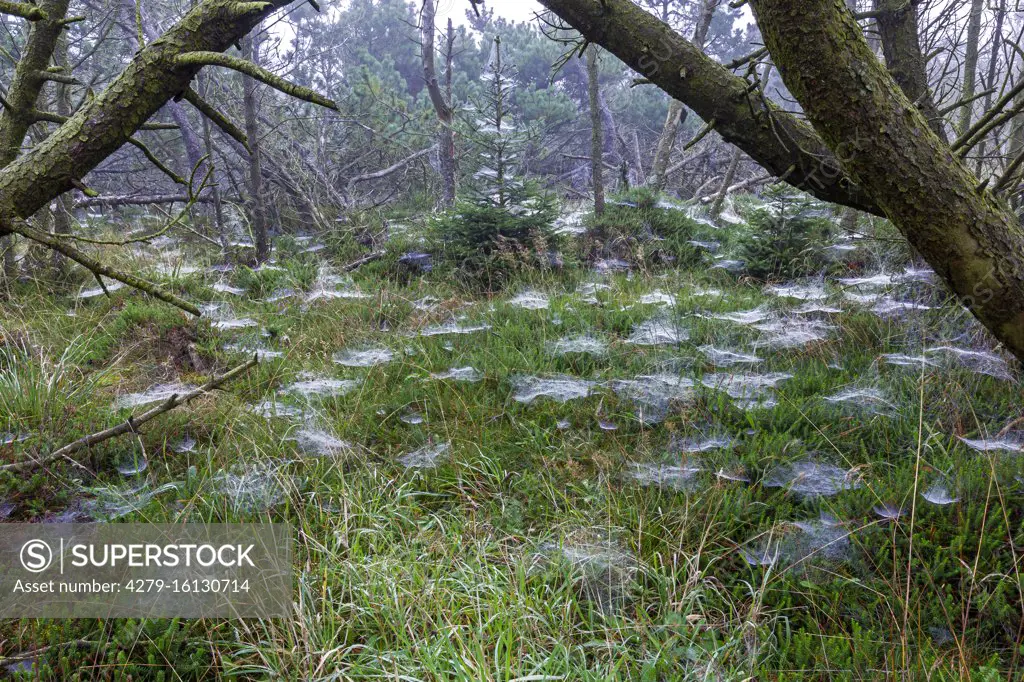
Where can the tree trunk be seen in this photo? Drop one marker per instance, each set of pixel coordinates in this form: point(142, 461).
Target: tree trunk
point(596, 137)
point(901, 45)
point(666, 143)
point(218, 205)
point(730, 174)
point(676, 111)
point(971, 63)
point(990, 81)
point(968, 235)
point(18, 112)
point(258, 209)
point(442, 103)
point(64, 203)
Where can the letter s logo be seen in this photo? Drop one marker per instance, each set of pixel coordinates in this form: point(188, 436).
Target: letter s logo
point(36, 556)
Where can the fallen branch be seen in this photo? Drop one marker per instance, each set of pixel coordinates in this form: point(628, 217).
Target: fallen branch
point(749, 182)
point(130, 426)
point(143, 200)
point(354, 265)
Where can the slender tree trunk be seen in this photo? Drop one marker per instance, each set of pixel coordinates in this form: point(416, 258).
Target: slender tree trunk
point(64, 203)
point(442, 101)
point(676, 110)
point(971, 63)
point(969, 235)
point(218, 206)
point(730, 175)
point(990, 81)
point(666, 143)
point(596, 137)
point(258, 210)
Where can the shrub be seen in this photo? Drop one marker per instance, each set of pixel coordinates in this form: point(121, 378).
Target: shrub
point(637, 226)
point(786, 236)
point(490, 244)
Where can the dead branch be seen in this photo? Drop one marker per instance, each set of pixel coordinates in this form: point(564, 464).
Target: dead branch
point(131, 425)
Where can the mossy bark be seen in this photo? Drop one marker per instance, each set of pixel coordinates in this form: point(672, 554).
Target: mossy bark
point(18, 114)
point(781, 142)
point(967, 234)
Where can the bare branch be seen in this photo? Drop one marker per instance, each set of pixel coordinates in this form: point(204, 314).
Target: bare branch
point(161, 166)
point(131, 425)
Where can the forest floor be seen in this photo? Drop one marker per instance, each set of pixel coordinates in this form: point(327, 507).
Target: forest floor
point(595, 475)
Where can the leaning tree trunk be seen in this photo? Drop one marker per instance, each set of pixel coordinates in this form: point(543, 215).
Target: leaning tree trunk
point(723, 192)
point(666, 143)
point(160, 71)
point(965, 232)
point(596, 137)
point(19, 111)
point(258, 211)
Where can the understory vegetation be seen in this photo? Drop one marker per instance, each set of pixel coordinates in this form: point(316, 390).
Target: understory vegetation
point(631, 466)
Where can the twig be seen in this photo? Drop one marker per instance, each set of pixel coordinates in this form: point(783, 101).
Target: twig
point(132, 424)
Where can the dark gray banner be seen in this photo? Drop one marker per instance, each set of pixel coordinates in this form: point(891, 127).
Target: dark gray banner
point(145, 570)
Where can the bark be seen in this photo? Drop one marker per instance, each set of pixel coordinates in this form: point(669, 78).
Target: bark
point(596, 137)
point(901, 44)
point(782, 143)
point(258, 210)
point(442, 101)
point(968, 235)
point(29, 79)
point(18, 112)
point(971, 63)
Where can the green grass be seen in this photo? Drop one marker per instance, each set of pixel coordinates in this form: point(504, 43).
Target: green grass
point(458, 573)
